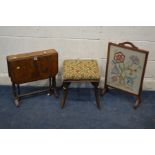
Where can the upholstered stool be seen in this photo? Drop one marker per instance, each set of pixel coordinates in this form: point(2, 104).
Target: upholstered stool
point(81, 71)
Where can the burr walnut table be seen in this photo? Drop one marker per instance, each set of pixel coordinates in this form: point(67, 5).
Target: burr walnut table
point(29, 67)
point(81, 71)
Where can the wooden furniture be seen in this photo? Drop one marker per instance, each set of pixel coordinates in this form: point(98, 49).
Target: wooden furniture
point(29, 67)
point(125, 69)
point(81, 71)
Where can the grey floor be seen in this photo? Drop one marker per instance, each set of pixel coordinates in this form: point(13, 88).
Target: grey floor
point(80, 112)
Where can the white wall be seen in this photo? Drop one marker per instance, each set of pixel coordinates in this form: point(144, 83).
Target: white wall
point(75, 42)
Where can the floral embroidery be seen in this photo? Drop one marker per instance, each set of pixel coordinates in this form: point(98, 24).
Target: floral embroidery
point(81, 70)
point(134, 59)
point(115, 70)
point(124, 72)
point(119, 57)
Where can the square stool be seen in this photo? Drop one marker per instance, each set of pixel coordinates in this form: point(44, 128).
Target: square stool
point(76, 70)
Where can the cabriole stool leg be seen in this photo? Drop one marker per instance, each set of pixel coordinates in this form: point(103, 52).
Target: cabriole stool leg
point(65, 91)
point(97, 93)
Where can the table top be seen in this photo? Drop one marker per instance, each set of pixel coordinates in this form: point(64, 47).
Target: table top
point(31, 54)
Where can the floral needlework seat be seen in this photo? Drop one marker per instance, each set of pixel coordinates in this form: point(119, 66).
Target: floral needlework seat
point(81, 70)
point(76, 70)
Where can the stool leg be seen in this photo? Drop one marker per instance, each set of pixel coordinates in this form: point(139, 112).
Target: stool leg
point(65, 89)
point(97, 93)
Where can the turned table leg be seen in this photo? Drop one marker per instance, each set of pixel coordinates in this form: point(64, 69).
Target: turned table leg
point(50, 87)
point(18, 88)
point(54, 87)
point(16, 98)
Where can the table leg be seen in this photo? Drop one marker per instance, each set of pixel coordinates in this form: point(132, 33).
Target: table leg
point(54, 87)
point(16, 98)
point(50, 87)
point(18, 88)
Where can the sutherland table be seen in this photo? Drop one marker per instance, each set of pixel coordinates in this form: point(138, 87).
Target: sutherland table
point(29, 67)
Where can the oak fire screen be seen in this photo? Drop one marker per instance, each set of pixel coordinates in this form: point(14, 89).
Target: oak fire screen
point(125, 68)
